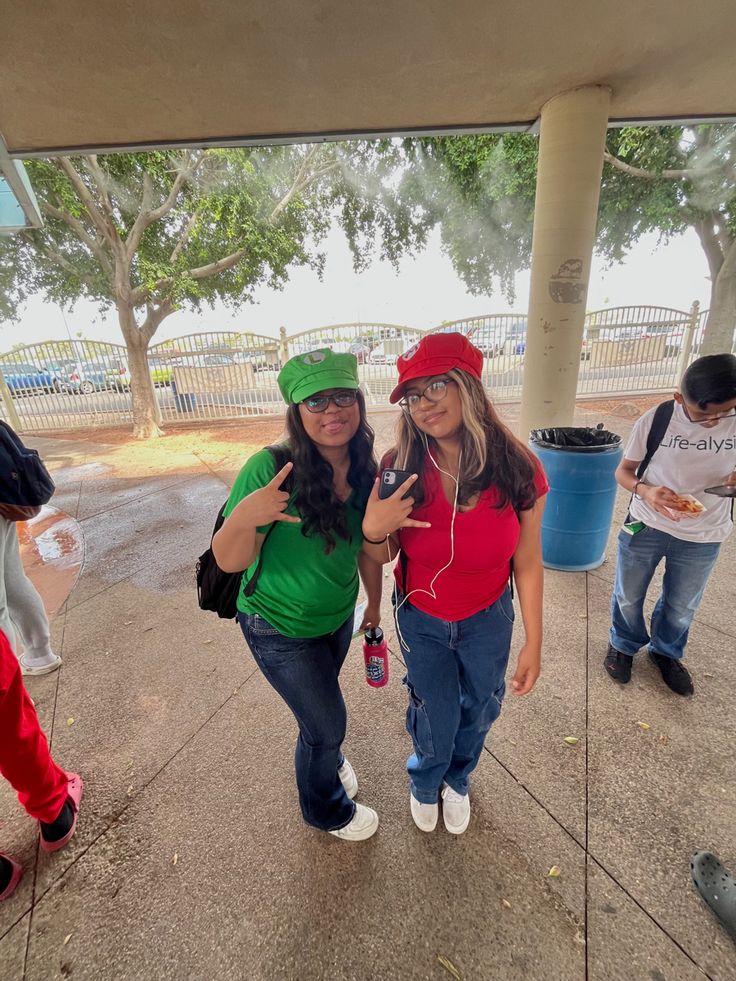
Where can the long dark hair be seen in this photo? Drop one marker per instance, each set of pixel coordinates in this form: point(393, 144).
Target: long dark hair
point(321, 510)
point(491, 455)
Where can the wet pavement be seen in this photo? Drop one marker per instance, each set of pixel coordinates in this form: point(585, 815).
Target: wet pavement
point(191, 860)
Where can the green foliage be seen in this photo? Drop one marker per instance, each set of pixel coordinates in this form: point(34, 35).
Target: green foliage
point(271, 205)
point(480, 191)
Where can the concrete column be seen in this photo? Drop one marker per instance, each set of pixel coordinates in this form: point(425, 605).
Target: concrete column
point(571, 144)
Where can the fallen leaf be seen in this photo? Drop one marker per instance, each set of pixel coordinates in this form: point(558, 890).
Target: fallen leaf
point(554, 872)
point(707, 675)
point(127, 623)
point(67, 938)
point(449, 967)
point(582, 616)
point(70, 722)
point(175, 859)
point(146, 629)
point(209, 642)
point(506, 903)
point(644, 725)
point(572, 740)
point(512, 741)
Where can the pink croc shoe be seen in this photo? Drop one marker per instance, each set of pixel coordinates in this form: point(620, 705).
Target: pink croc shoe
point(75, 790)
point(15, 877)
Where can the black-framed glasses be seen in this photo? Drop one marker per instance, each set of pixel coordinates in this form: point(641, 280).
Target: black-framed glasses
point(342, 399)
point(714, 418)
point(434, 392)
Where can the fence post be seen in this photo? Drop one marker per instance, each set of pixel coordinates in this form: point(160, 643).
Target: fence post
point(283, 346)
point(10, 410)
point(687, 340)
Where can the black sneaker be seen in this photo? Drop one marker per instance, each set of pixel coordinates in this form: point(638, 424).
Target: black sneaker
point(618, 665)
point(676, 675)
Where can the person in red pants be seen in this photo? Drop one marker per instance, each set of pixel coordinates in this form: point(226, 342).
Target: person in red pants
point(48, 793)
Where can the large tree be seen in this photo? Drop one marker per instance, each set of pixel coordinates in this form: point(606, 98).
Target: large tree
point(149, 233)
point(481, 190)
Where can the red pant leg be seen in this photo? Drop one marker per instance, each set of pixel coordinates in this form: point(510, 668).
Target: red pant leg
point(25, 760)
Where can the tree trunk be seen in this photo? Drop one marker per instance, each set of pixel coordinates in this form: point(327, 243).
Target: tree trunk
point(721, 322)
point(146, 410)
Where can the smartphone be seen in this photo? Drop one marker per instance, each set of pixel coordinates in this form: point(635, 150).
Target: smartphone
point(391, 480)
point(722, 490)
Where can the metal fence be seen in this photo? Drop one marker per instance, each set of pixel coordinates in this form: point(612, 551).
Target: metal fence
point(64, 385)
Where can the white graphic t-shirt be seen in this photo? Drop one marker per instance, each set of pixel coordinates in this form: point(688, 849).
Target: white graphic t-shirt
point(689, 459)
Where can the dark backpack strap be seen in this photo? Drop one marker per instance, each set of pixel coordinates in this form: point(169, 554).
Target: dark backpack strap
point(660, 421)
point(281, 457)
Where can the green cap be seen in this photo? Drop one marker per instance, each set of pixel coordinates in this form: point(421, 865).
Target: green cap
point(316, 371)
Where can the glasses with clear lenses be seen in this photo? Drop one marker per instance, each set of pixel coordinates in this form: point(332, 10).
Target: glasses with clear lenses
point(434, 392)
point(714, 418)
point(342, 399)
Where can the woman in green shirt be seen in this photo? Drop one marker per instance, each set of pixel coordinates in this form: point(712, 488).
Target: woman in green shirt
point(298, 621)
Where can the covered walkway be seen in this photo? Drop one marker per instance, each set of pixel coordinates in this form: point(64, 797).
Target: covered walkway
point(191, 860)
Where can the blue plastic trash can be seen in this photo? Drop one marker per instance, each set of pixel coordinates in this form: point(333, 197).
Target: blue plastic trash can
point(580, 465)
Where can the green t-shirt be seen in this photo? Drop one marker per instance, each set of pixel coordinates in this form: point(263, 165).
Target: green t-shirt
point(301, 591)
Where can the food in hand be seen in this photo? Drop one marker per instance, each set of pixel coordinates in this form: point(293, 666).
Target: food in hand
point(688, 504)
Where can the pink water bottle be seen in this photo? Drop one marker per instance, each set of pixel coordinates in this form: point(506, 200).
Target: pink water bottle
point(375, 653)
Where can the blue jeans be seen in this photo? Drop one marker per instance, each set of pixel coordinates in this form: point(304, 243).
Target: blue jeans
point(455, 678)
point(304, 671)
point(687, 567)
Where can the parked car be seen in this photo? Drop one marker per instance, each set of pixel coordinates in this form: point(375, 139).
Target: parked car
point(88, 377)
point(24, 378)
point(490, 339)
point(118, 374)
point(515, 342)
point(378, 357)
point(675, 337)
point(361, 350)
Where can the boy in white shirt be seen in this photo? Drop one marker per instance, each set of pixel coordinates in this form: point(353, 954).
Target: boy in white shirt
point(698, 450)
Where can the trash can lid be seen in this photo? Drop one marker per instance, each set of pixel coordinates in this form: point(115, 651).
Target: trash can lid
point(576, 439)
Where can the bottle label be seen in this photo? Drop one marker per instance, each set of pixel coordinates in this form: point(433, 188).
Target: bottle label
point(374, 668)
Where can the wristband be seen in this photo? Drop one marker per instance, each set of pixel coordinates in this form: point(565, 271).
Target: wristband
point(635, 488)
point(372, 541)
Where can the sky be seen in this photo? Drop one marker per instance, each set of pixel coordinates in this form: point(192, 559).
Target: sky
point(423, 292)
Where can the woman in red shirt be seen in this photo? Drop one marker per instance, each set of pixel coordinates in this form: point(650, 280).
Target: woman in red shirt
point(474, 504)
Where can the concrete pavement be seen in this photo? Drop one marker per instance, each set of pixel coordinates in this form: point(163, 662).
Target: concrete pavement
point(191, 860)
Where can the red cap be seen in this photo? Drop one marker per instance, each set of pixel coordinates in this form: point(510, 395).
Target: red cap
point(435, 354)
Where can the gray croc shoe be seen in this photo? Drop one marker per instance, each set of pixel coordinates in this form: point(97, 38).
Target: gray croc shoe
point(717, 887)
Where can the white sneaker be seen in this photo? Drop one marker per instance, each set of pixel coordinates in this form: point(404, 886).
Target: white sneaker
point(455, 810)
point(348, 779)
point(425, 815)
point(363, 825)
point(39, 665)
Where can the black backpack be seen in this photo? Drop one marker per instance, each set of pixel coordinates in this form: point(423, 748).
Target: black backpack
point(24, 480)
point(217, 590)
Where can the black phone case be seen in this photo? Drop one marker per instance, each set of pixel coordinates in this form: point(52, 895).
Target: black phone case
point(722, 490)
point(387, 488)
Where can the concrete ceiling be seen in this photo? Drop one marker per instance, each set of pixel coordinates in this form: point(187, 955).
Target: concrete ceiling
point(121, 73)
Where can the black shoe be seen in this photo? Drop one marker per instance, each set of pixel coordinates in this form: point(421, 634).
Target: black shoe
point(58, 829)
point(676, 675)
point(618, 665)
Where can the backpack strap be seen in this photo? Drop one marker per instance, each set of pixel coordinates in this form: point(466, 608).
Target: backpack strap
point(660, 421)
point(281, 457)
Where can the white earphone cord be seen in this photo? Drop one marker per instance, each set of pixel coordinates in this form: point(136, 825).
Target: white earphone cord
point(430, 591)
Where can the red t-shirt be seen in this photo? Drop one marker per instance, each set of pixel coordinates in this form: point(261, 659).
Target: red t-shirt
point(485, 541)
